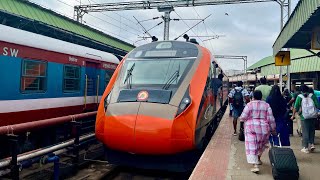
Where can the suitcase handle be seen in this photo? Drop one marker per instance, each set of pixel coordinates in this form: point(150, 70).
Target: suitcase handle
point(272, 144)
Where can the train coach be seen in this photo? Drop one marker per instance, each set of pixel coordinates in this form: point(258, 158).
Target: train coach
point(42, 77)
point(159, 102)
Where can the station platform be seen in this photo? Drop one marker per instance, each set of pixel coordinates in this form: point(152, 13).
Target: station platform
point(224, 158)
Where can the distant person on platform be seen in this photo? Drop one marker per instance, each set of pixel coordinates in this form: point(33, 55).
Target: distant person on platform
point(264, 88)
point(239, 97)
point(297, 92)
point(216, 84)
point(258, 123)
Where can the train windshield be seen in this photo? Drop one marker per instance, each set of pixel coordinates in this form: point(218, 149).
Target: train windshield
point(163, 73)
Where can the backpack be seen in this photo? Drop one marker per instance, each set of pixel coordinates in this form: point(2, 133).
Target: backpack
point(238, 99)
point(308, 108)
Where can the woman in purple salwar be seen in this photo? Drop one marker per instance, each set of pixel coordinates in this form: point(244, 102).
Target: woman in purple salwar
point(258, 123)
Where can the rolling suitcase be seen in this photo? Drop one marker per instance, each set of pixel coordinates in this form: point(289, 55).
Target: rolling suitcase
point(241, 133)
point(283, 162)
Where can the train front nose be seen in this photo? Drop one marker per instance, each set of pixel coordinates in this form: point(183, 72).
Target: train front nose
point(152, 130)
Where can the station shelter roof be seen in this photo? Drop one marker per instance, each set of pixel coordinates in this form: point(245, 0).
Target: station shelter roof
point(297, 33)
point(26, 13)
point(263, 62)
point(301, 61)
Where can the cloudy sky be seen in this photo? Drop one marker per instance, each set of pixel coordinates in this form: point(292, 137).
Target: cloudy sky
point(246, 29)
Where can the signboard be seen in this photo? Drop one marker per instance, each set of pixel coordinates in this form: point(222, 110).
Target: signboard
point(282, 58)
point(316, 39)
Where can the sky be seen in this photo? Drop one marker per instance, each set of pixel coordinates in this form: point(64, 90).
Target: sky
point(244, 29)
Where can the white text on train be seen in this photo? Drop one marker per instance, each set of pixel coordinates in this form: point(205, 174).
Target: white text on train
point(10, 52)
point(73, 59)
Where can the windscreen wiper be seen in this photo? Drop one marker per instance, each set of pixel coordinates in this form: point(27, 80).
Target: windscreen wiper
point(129, 76)
point(173, 78)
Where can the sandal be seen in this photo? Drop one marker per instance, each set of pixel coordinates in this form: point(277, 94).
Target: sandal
point(255, 170)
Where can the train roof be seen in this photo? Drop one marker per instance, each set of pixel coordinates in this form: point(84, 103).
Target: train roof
point(21, 37)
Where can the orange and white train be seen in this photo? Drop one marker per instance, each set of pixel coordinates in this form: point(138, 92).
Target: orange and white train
point(160, 100)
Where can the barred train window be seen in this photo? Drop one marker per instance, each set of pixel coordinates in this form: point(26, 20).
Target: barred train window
point(108, 77)
point(34, 75)
point(71, 78)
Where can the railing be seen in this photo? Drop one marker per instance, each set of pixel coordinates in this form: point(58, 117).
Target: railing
point(48, 154)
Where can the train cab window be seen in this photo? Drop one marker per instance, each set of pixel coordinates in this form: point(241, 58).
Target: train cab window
point(71, 75)
point(34, 75)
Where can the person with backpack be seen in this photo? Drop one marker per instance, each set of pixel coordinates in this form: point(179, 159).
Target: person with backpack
point(239, 97)
point(308, 103)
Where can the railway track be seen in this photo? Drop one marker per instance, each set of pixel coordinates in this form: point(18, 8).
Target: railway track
point(100, 170)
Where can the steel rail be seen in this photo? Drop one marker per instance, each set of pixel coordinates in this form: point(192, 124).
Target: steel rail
point(40, 152)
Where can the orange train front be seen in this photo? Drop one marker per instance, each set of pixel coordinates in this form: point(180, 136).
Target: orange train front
point(159, 100)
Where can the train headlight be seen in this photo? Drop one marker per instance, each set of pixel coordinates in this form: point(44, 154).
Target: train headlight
point(186, 101)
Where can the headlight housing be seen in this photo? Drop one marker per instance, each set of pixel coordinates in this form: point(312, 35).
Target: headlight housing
point(107, 101)
point(185, 102)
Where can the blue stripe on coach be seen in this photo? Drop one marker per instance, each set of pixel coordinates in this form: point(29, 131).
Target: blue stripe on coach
point(10, 74)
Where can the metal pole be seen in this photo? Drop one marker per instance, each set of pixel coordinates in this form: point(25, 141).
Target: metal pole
point(13, 139)
point(288, 67)
point(281, 26)
point(166, 25)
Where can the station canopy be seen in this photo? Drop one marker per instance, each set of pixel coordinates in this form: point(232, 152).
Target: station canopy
point(300, 27)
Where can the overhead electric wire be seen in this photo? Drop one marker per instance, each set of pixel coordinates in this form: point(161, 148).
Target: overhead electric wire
point(208, 34)
point(204, 24)
point(98, 28)
point(120, 16)
point(112, 24)
point(184, 22)
point(103, 21)
point(110, 32)
point(193, 27)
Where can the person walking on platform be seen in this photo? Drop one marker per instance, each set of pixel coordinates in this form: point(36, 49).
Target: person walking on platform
point(264, 88)
point(308, 103)
point(279, 110)
point(287, 96)
point(258, 123)
point(239, 97)
point(216, 84)
point(297, 113)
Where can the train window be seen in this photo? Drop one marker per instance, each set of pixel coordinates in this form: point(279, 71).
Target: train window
point(156, 72)
point(71, 77)
point(108, 77)
point(34, 75)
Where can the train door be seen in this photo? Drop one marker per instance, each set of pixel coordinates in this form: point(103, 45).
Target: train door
point(92, 83)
